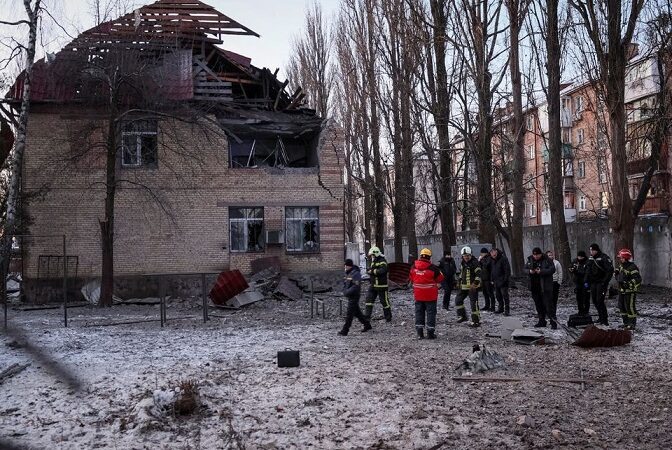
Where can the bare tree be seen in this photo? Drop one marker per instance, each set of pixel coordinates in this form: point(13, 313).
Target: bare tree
point(610, 35)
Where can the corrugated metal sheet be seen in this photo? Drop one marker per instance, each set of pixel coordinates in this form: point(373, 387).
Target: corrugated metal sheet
point(228, 285)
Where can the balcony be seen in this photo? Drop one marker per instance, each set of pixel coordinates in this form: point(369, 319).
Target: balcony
point(655, 205)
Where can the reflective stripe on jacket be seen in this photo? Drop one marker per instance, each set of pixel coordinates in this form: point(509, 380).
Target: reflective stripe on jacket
point(629, 279)
point(378, 272)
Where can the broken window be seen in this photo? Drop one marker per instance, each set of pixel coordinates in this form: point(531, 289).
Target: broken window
point(272, 151)
point(139, 143)
point(302, 229)
point(246, 226)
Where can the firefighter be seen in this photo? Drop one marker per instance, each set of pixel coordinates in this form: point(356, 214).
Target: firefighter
point(469, 282)
point(541, 270)
point(378, 288)
point(599, 271)
point(351, 291)
point(488, 290)
point(425, 277)
point(629, 279)
point(448, 268)
point(578, 269)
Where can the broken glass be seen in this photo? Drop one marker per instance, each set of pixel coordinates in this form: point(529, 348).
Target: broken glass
point(246, 229)
point(302, 229)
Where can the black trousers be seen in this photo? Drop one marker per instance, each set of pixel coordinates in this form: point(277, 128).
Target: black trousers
point(598, 293)
point(543, 302)
point(583, 299)
point(556, 294)
point(353, 312)
point(447, 290)
point(384, 298)
point(502, 294)
point(473, 303)
point(488, 294)
point(427, 309)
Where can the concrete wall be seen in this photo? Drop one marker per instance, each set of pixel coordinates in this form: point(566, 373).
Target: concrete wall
point(182, 226)
point(652, 252)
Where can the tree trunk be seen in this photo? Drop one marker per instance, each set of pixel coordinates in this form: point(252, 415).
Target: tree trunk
point(555, 186)
point(441, 118)
point(16, 159)
point(107, 225)
point(518, 129)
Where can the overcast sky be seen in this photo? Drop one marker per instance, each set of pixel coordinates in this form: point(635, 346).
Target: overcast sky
point(277, 21)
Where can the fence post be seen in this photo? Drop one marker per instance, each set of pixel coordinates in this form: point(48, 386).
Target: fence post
point(162, 294)
point(3, 289)
point(312, 300)
point(65, 285)
point(205, 299)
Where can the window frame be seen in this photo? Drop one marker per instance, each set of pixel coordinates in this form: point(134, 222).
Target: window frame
point(583, 203)
point(302, 221)
point(246, 230)
point(581, 169)
point(126, 132)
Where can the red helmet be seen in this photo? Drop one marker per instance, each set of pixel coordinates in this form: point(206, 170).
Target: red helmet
point(625, 254)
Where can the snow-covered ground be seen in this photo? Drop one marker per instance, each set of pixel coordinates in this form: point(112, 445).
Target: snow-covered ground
point(379, 390)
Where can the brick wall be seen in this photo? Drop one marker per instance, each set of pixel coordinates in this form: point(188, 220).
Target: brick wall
point(173, 218)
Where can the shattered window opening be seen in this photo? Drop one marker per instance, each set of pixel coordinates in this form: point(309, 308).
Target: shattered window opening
point(139, 143)
point(246, 226)
point(302, 229)
point(272, 151)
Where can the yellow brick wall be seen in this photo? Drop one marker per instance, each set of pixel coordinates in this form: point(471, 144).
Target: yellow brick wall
point(173, 219)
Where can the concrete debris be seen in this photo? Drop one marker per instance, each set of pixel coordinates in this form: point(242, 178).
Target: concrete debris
point(525, 421)
point(265, 276)
point(556, 434)
point(245, 298)
point(589, 431)
point(480, 361)
point(263, 264)
point(288, 289)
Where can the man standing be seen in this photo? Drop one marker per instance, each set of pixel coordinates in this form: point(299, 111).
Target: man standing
point(488, 291)
point(448, 269)
point(378, 287)
point(557, 278)
point(469, 282)
point(425, 277)
point(501, 276)
point(578, 269)
point(629, 279)
point(541, 271)
point(352, 291)
point(599, 270)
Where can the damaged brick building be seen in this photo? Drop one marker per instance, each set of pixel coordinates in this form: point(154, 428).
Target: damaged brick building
point(222, 167)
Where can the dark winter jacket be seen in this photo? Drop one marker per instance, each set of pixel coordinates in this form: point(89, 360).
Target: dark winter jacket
point(628, 277)
point(352, 282)
point(448, 269)
point(500, 272)
point(578, 271)
point(543, 279)
point(470, 273)
point(599, 269)
point(486, 267)
point(425, 276)
point(378, 273)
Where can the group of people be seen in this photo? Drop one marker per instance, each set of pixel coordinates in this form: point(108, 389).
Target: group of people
point(490, 273)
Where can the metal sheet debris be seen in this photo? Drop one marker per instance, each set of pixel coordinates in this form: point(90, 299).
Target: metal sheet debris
point(480, 361)
point(528, 337)
point(228, 285)
point(509, 324)
point(245, 298)
point(399, 274)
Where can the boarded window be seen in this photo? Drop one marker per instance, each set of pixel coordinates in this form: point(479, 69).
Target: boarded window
point(303, 228)
point(246, 226)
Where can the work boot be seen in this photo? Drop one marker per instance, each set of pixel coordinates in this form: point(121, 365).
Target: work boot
point(500, 309)
point(430, 334)
point(387, 312)
point(421, 333)
point(474, 324)
point(462, 319)
point(554, 325)
point(343, 333)
point(367, 327)
point(540, 324)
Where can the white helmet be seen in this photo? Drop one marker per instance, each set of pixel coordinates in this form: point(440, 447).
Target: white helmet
point(466, 250)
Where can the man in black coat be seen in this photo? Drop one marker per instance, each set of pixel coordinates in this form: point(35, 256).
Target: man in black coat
point(448, 269)
point(541, 270)
point(581, 287)
point(599, 271)
point(352, 291)
point(500, 276)
point(488, 292)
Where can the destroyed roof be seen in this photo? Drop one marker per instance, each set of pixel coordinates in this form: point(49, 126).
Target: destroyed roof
point(176, 41)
